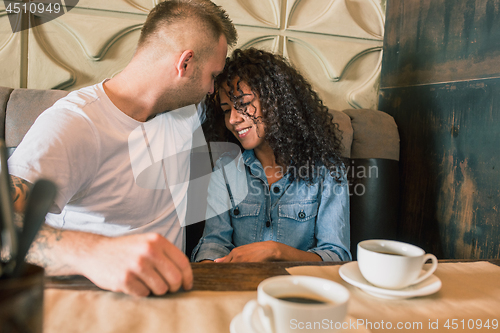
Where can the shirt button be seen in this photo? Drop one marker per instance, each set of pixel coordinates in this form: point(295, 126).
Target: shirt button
point(268, 224)
point(302, 214)
point(236, 211)
point(276, 189)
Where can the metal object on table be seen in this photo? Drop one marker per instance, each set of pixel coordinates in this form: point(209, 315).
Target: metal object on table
point(40, 199)
point(9, 235)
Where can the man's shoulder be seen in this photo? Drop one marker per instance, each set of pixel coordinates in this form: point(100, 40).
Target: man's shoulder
point(79, 106)
point(79, 99)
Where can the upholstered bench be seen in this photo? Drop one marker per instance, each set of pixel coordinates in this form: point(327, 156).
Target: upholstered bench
point(371, 146)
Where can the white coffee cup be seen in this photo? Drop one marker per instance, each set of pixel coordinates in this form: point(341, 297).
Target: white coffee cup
point(281, 308)
point(392, 264)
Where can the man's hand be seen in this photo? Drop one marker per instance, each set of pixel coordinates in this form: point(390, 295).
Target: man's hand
point(137, 265)
point(267, 251)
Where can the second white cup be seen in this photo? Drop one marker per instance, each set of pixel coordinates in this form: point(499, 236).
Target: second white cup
point(392, 264)
point(287, 304)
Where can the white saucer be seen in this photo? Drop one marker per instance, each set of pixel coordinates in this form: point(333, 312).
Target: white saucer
point(351, 274)
point(238, 326)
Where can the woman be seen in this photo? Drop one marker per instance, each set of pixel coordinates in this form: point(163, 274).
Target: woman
point(286, 196)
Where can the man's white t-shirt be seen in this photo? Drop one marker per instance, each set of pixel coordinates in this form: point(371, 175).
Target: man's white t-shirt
point(110, 169)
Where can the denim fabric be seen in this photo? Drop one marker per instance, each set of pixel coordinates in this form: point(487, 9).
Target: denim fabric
point(290, 212)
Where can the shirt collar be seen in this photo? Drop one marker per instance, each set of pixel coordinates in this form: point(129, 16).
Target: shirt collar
point(249, 159)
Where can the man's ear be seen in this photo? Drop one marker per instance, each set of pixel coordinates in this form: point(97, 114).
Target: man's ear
point(185, 62)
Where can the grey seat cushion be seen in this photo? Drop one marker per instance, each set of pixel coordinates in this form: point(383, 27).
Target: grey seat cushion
point(375, 134)
point(30, 103)
point(345, 126)
point(4, 97)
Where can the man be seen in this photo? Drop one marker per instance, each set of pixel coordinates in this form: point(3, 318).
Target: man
point(106, 224)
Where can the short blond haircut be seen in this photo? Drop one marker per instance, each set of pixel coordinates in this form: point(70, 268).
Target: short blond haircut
point(210, 19)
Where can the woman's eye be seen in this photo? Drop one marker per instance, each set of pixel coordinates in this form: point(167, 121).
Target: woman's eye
point(225, 110)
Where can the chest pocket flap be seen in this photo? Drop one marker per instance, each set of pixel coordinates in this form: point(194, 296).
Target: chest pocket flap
point(245, 209)
point(299, 211)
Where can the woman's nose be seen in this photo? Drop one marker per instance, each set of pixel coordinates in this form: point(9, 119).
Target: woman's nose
point(235, 117)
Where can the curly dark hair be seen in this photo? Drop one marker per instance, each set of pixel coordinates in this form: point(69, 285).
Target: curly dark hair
point(298, 127)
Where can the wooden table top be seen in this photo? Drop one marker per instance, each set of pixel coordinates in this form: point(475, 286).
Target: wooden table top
point(219, 277)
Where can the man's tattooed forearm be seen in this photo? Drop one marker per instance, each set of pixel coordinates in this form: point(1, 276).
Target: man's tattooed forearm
point(39, 253)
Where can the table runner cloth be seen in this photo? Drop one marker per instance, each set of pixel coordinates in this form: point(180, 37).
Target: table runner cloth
point(469, 291)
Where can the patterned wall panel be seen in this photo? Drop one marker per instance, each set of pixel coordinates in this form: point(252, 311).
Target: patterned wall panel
point(10, 52)
point(81, 48)
point(336, 44)
point(126, 6)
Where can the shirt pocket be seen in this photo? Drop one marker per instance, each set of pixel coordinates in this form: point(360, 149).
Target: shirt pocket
point(297, 223)
point(244, 219)
point(300, 212)
point(245, 209)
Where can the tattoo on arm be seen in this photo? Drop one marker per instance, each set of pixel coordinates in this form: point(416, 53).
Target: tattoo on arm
point(20, 190)
point(40, 252)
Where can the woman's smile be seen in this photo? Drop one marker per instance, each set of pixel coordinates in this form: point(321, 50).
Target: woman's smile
point(243, 132)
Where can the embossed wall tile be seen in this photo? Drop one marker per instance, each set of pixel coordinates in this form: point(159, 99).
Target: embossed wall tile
point(369, 15)
point(10, 53)
point(257, 13)
point(353, 18)
point(62, 48)
point(132, 6)
point(44, 70)
point(366, 73)
point(248, 37)
point(335, 53)
point(355, 87)
point(96, 33)
point(10, 64)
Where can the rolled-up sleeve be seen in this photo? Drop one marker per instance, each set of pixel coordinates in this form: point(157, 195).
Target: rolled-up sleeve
point(332, 228)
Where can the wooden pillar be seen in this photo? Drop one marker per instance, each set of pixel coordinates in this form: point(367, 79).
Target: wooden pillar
point(441, 82)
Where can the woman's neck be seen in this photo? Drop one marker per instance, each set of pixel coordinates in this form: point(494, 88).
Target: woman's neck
point(273, 171)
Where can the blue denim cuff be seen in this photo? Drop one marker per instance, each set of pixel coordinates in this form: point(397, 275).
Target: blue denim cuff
point(210, 251)
point(326, 255)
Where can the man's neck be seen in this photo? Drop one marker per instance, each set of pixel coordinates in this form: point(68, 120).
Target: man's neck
point(135, 92)
point(129, 100)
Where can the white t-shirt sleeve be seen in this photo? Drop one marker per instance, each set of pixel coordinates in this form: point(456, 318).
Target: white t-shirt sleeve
point(61, 147)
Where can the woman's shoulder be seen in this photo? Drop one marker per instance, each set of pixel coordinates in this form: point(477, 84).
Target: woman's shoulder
point(335, 174)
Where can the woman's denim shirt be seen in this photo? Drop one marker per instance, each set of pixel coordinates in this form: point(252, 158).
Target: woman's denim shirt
point(290, 212)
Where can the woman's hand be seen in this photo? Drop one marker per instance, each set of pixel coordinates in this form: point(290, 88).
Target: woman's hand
point(267, 251)
point(260, 251)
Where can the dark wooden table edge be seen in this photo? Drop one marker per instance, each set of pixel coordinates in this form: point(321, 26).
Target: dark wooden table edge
point(222, 277)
